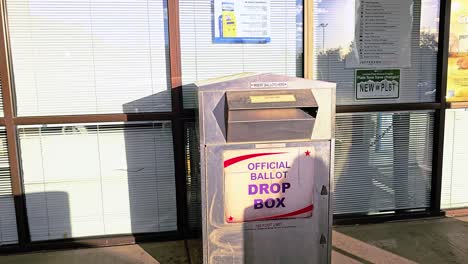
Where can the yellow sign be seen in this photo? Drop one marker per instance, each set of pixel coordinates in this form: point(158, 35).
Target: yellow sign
point(457, 72)
point(279, 98)
point(229, 20)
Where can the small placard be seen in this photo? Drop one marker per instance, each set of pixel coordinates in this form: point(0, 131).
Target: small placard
point(254, 85)
point(270, 145)
point(377, 84)
point(279, 98)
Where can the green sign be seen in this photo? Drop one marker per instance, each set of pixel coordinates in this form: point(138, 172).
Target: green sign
point(377, 84)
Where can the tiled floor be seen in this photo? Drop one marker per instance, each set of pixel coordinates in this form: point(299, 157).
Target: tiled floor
point(422, 241)
point(442, 240)
point(133, 254)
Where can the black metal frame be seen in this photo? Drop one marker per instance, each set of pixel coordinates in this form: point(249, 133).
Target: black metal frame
point(442, 63)
point(89, 242)
point(356, 219)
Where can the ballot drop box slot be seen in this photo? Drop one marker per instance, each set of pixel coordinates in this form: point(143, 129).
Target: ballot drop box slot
point(266, 160)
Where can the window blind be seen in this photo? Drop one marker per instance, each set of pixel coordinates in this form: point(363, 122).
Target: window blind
point(383, 161)
point(455, 175)
point(333, 39)
point(193, 180)
point(88, 180)
point(202, 59)
point(89, 56)
point(8, 231)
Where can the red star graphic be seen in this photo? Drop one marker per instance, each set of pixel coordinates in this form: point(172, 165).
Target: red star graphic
point(230, 219)
point(307, 153)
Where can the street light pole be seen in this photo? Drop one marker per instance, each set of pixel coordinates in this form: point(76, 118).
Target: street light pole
point(323, 26)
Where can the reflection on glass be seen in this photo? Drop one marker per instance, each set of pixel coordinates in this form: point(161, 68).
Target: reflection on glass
point(334, 22)
point(383, 161)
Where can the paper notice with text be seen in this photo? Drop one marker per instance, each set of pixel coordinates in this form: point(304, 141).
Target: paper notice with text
point(382, 34)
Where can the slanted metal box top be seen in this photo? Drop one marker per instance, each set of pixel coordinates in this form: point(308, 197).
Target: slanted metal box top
point(270, 115)
point(310, 105)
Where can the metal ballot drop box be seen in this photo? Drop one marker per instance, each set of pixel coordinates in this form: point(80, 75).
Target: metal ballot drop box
point(266, 144)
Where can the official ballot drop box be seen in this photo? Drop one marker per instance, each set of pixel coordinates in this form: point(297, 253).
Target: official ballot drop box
point(266, 160)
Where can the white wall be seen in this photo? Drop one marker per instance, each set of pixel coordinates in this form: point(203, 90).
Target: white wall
point(455, 172)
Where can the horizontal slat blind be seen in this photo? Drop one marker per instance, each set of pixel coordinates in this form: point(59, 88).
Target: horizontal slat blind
point(202, 59)
point(383, 161)
point(193, 180)
point(331, 46)
point(89, 56)
point(87, 180)
point(455, 174)
point(8, 231)
point(5, 176)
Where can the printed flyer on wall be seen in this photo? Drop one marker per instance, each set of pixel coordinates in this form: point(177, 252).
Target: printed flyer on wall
point(382, 34)
point(457, 72)
point(241, 21)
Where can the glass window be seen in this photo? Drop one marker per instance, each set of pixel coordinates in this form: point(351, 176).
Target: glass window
point(203, 59)
point(89, 56)
point(87, 180)
point(383, 161)
point(8, 232)
point(334, 24)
